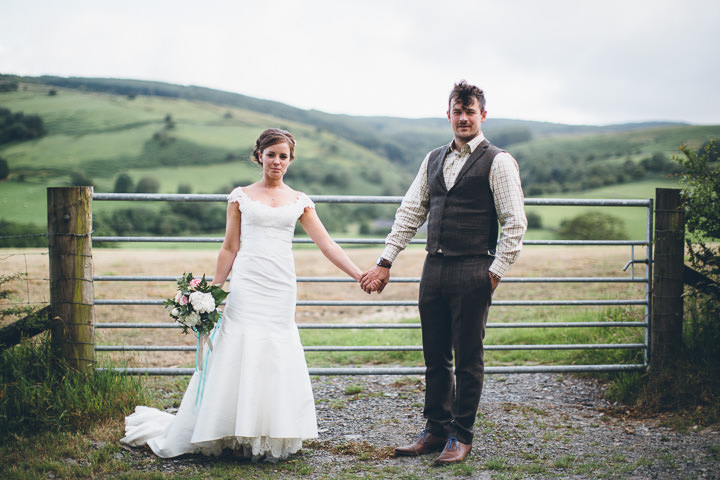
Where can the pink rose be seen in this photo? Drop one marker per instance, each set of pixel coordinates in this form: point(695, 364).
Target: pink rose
point(194, 282)
point(183, 300)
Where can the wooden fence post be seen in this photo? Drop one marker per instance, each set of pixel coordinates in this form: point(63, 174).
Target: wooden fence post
point(71, 275)
point(669, 263)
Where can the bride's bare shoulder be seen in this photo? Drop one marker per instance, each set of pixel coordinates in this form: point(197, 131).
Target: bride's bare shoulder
point(253, 187)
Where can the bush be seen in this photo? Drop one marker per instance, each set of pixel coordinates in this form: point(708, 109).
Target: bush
point(123, 184)
point(176, 219)
point(18, 127)
point(701, 179)
point(593, 226)
point(4, 169)
point(148, 185)
point(8, 86)
point(22, 235)
point(79, 179)
point(509, 135)
point(534, 220)
point(129, 221)
point(12, 310)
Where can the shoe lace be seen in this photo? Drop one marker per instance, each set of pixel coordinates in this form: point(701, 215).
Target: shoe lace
point(423, 435)
point(451, 443)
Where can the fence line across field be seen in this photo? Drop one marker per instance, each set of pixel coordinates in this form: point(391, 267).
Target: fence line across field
point(645, 302)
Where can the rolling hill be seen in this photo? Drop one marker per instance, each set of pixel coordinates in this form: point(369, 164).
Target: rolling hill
point(199, 140)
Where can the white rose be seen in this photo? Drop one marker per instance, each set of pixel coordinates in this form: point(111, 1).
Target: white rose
point(175, 312)
point(192, 319)
point(202, 302)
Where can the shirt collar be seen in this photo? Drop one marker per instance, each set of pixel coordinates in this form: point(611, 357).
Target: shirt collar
point(472, 144)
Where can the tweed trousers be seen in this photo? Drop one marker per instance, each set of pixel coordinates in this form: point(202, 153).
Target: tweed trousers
point(455, 296)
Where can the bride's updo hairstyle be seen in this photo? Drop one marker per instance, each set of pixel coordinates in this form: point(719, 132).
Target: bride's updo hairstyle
point(270, 137)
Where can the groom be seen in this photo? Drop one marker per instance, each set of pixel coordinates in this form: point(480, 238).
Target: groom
point(465, 188)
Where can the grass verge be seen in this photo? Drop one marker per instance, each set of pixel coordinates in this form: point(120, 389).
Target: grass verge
point(38, 393)
point(687, 386)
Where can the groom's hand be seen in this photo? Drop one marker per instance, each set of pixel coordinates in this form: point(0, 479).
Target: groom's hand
point(370, 286)
point(375, 279)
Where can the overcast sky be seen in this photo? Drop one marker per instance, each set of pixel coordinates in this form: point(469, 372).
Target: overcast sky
point(568, 61)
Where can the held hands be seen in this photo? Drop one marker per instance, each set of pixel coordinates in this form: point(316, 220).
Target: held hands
point(375, 279)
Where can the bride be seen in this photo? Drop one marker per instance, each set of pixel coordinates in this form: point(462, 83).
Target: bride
point(256, 398)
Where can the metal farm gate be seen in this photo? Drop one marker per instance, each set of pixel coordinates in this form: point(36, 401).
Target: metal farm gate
point(643, 302)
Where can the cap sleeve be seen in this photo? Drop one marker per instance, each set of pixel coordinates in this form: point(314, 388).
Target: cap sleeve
point(236, 195)
point(305, 202)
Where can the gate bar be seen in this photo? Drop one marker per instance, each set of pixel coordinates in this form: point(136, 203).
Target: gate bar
point(407, 370)
point(166, 278)
point(402, 303)
point(379, 348)
point(360, 326)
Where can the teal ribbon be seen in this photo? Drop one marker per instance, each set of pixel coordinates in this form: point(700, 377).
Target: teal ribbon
point(199, 366)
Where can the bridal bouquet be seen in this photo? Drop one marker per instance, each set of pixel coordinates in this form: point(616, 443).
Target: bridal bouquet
point(195, 304)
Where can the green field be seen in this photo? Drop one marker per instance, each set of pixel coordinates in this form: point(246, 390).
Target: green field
point(101, 135)
point(634, 218)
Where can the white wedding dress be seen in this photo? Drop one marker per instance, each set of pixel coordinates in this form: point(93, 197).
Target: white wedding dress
point(257, 397)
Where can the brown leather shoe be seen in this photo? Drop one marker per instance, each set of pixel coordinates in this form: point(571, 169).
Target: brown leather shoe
point(426, 443)
point(453, 452)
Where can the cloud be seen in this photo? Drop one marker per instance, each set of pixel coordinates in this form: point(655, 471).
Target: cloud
point(566, 61)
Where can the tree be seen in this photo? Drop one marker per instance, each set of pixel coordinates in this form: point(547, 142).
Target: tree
point(659, 163)
point(4, 169)
point(79, 179)
point(18, 127)
point(123, 184)
point(509, 135)
point(633, 170)
point(21, 235)
point(148, 185)
point(701, 182)
point(701, 193)
point(10, 86)
point(712, 149)
point(593, 226)
point(534, 220)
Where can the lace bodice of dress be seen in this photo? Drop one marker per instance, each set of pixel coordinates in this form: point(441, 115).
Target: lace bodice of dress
point(262, 224)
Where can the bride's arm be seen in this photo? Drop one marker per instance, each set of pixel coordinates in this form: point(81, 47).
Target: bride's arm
point(230, 245)
point(320, 236)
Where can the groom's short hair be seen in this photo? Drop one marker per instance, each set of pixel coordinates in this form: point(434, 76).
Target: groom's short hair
point(464, 93)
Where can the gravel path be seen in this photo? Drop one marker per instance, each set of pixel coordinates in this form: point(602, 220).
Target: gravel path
point(530, 426)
